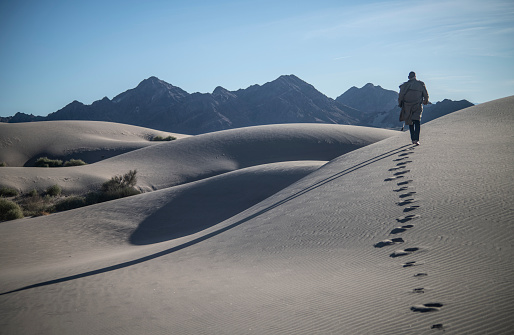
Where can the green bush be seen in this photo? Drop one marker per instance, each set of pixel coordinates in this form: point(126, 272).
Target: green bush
point(47, 162)
point(129, 179)
point(8, 192)
point(3, 164)
point(34, 205)
point(70, 203)
point(160, 138)
point(75, 162)
point(9, 210)
point(54, 190)
point(33, 193)
point(118, 193)
point(119, 187)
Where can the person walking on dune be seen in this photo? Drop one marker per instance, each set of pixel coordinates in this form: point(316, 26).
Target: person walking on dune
point(413, 95)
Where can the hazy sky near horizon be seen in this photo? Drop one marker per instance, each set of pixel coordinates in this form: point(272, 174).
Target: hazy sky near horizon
point(54, 52)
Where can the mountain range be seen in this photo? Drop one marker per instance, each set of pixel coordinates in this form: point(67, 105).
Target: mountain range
point(159, 105)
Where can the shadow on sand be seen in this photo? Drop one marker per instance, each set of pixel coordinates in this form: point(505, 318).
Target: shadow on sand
point(219, 231)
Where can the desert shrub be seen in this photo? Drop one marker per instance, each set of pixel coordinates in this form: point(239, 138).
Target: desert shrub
point(70, 203)
point(160, 138)
point(33, 204)
point(119, 193)
point(3, 164)
point(129, 179)
point(9, 210)
point(47, 162)
point(119, 187)
point(33, 193)
point(54, 190)
point(8, 192)
point(75, 162)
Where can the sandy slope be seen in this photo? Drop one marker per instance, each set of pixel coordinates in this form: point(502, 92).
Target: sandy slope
point(22, 143)
point(193, 158)
point(311, 259)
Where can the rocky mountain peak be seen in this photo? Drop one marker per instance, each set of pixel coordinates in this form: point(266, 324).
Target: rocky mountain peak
point(154, 88)
point(369, 98)
point(157, 104)
point(223, 92)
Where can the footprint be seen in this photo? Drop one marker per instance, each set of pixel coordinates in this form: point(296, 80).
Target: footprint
point(405, 195)
point(422, 274)
point(411, 208)
point(401, 189)
point(403, 163)
point(437, 326)
point(409, 264)
point(384, 243)
point(401, 172)
point(393, 178)
point(418, 290)
point(406, 202)
point(404, 252)
point(401, 229)
point(407, 218)
point(405, 154)
point(397, 168)
point(400, 159)
point(430, 307)
point(404, 182)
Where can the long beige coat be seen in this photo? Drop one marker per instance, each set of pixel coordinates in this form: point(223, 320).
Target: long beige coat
point(413, 94)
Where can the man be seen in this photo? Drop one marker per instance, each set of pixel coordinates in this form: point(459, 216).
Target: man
point(413, 94)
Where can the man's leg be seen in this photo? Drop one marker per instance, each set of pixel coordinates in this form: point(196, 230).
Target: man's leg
point(417, 128)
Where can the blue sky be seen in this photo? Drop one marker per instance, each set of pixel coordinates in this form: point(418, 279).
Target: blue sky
point(54, 52)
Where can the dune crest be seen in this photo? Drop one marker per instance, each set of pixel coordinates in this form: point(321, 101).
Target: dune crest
point(22, 143)
point(192, 158)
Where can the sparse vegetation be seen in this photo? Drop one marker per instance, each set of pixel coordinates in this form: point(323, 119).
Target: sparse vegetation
point(54, 190)
point(75, 162)
point(8, 192)
point(160, 138)
point(9, 210)
point(33, 203)
point(3, 164)
point(47, 162)
point(119, 187)
point(70, 203)
point(33, 193)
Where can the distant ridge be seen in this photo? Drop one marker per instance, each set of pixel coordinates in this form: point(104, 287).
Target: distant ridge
point(369, 98)
point(378, 107)
point(159, 105)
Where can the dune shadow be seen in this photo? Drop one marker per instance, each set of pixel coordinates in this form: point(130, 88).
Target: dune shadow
point(216, 232)
point(198, 206)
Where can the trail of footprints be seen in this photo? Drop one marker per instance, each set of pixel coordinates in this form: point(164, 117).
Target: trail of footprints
point(409, 204)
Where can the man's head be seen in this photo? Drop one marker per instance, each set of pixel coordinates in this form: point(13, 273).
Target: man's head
point(412, 74)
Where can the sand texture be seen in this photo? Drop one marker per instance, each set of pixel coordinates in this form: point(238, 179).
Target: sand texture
point(193, 158)
point(248, 231)
point(21, 144)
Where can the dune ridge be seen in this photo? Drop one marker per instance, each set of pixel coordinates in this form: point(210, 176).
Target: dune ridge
point(192, 158)
point(385, 239)
point(22, 143)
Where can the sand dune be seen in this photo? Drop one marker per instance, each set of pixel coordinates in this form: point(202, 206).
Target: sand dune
point(385, 239)
point(188, 159)
point(22, 143)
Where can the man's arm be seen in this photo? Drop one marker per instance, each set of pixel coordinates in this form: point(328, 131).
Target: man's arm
point(425, 95)
point(401, 95)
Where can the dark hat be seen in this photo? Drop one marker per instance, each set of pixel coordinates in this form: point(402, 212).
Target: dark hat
point(412, 74)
